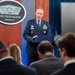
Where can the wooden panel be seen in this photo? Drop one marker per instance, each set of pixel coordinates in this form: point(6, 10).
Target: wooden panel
point(45, 5)
point(11, 33)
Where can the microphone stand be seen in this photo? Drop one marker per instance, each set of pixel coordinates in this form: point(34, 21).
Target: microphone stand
point(54, 29)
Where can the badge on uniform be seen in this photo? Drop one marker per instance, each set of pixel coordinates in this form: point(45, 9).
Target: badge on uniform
point(32, 28)
point(44, 32)
point(45, 26)
point(31, 32)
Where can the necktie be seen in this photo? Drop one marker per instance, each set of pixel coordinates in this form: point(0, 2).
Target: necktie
point(38, 23)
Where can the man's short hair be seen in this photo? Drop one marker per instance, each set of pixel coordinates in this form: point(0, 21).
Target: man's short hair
point(40, 9)
point(68, 42)
point(45, 46)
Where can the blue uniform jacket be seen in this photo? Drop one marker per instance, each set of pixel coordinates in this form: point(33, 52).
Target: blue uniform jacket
point(32, 29)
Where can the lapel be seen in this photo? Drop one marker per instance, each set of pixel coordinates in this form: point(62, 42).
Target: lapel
point(37, 27)
point(42, 23)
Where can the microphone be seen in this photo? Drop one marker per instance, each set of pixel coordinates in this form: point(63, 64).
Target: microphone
point(52, 27)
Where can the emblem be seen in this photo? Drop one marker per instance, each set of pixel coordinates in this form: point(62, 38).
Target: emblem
point(44, 32)
point(45, 26)
point(31, 32)
point(32, 27)
point(11, 12)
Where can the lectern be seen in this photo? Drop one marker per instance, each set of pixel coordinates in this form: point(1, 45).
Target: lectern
point(50, 39)
point(41, 38)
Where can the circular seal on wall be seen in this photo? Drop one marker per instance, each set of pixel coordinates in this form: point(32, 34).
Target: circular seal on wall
point(11, 12)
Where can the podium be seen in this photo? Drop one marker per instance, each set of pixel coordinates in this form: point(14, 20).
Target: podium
point(41, 38)
point(51, 40)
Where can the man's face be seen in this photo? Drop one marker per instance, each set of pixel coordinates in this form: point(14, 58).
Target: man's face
point(39, 14)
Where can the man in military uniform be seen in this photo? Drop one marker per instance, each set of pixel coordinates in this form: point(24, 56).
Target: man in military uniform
point(34, 28)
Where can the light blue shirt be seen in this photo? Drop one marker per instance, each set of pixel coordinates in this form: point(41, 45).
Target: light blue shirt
point(39, 22)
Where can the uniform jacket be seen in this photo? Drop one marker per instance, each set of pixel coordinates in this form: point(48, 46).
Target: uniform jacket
point(11, 67)
point(32, 29)
point(47, 65)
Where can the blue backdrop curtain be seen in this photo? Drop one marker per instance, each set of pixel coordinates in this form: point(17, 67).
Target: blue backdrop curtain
point(55, 13)
point(55, 17)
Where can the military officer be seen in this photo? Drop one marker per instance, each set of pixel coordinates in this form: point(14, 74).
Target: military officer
point(34, 28)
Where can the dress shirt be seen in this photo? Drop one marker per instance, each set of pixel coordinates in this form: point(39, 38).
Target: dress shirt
point(6, 58)
point(39, 22)
point(69, 62)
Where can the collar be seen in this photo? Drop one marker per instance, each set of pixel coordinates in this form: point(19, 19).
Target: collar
point(69, 62)
point(49, 55)
point(39, 22)
point(6, 58)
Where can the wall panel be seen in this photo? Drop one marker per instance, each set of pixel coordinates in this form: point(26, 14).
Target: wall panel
point(11, 33)
point(30, 14)
point(45, 5)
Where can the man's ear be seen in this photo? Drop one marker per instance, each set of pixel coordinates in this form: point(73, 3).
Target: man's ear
point(39, 53)
point(8, 51)
point(53, 53)
point(64, 51)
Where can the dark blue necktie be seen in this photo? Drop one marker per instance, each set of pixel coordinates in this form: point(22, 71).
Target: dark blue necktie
point(38, 23)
